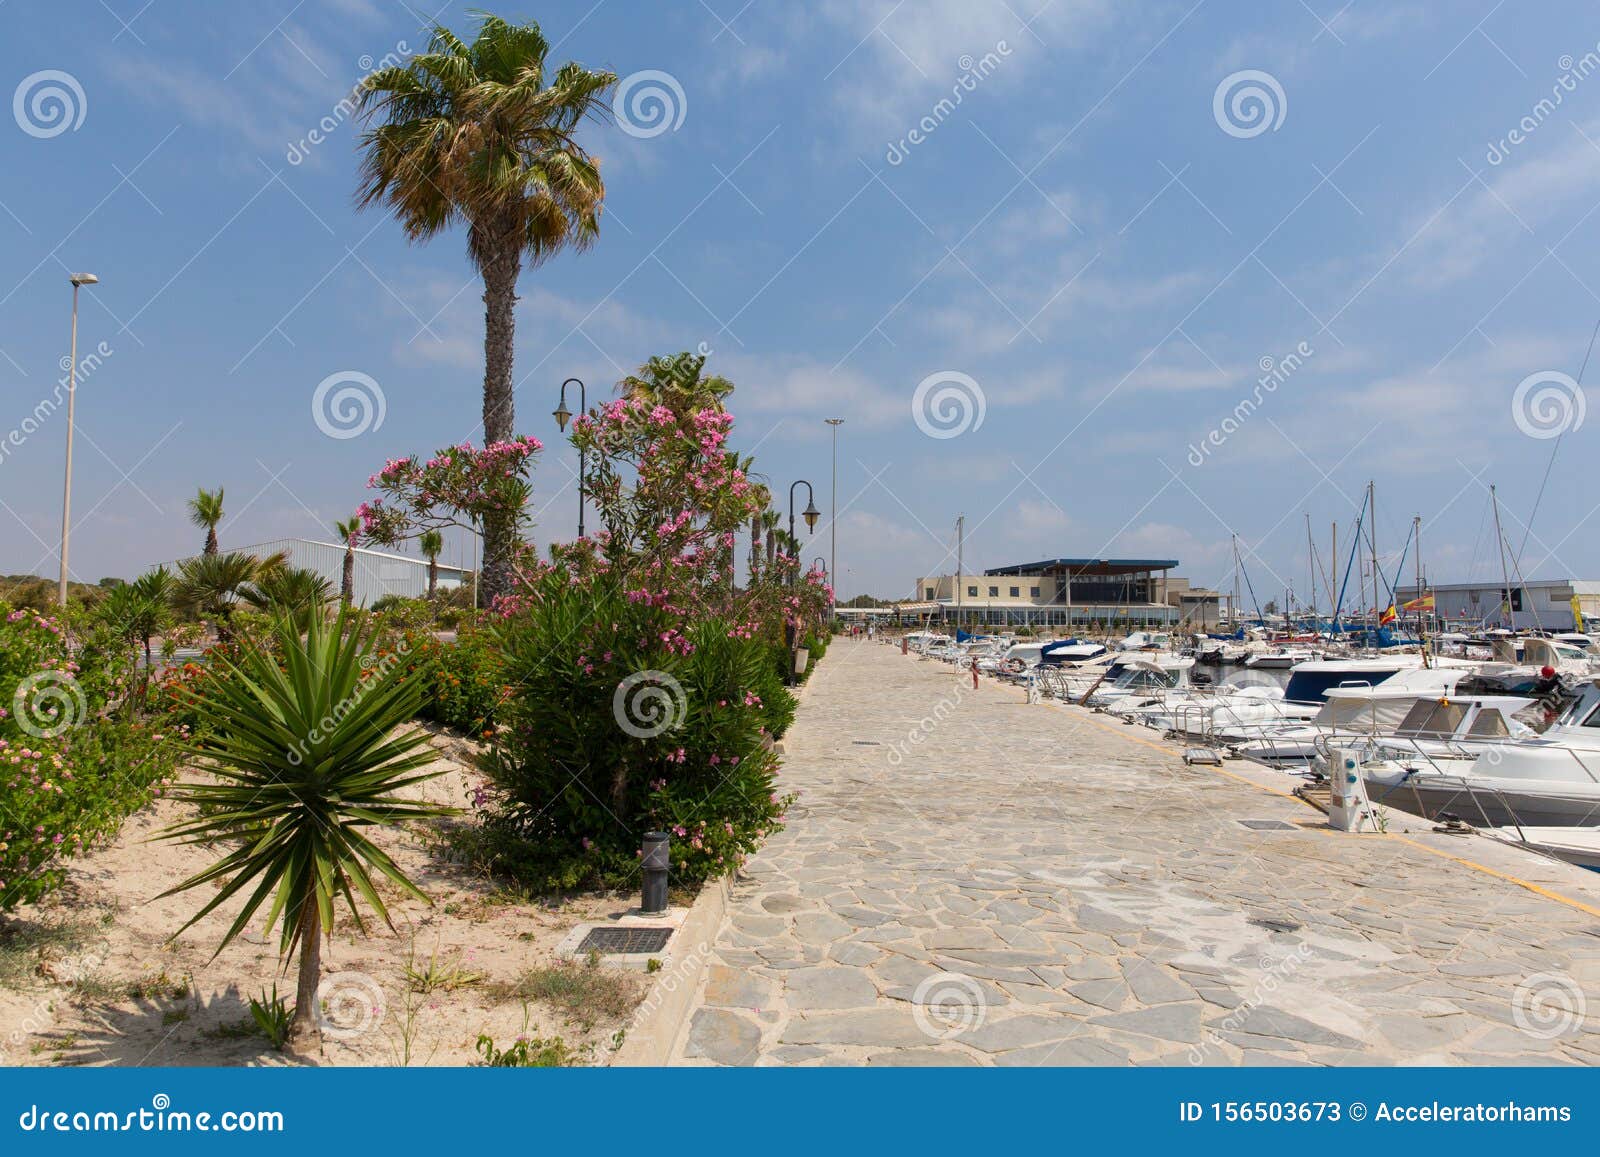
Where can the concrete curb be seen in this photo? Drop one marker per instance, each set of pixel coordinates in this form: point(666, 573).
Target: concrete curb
point(663, 1017)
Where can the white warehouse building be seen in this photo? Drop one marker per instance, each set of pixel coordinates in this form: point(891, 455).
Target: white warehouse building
point(377, 573)
point(1540, 604)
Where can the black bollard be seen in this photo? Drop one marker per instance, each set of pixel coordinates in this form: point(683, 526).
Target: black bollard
point(657, 859)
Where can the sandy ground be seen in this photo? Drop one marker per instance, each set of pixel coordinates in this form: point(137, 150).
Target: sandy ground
point(90, 979)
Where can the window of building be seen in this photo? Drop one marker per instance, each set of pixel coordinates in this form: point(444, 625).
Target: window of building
point(972, 592)
point(930, 593)
point(1033, 592)
point(1015, 591)
point(994, 592)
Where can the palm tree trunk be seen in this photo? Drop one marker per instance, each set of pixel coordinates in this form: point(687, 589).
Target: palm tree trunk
point(303, 1030)
point(755, 549)
point(347, 581)
point(433, 576)
point(211, 540)
point(499, 405)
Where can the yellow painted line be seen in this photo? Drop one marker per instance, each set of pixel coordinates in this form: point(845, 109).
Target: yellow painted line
point(1536, 889)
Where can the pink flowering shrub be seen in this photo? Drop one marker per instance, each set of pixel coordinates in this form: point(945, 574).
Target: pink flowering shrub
point(76, 758)
point(626, 717)
point(458, 486)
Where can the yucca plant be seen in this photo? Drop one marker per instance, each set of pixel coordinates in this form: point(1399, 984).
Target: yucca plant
point(303, 762)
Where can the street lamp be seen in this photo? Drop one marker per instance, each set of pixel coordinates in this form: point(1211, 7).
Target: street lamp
point(562, 415)
point(78, 281)
point(810, 514)
point(833, 518)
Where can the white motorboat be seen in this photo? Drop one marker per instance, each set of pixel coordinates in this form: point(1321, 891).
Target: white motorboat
point(1279, 658)
point(1549, 781)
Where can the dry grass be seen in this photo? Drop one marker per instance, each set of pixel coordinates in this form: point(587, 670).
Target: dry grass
point(585, 992)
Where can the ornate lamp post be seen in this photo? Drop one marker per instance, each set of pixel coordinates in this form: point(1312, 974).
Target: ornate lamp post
point(810, 514)
point(562, 415)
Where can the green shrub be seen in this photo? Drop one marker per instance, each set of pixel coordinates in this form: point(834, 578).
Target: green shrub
point(617, 724)
point(76, 757)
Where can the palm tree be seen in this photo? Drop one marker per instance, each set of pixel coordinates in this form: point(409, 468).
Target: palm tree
point(348, 531)
point(431, 542)
point(678, 383)
point(762, 496)
point(485, 135)
point(771, 520)
point(294, 592)
point(210, 585)
point(205, 511)
point(300, 760)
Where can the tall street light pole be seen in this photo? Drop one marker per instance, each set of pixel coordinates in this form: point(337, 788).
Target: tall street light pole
point(78, 281)
point(833, 518)
point(562, 415)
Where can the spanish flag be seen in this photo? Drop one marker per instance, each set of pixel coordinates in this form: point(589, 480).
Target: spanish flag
point(1387, 617)
point(1425, 603)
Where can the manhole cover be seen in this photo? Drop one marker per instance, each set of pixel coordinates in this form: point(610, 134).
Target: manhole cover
point(1275, 923)
point(625, 941)
point(1268, 825)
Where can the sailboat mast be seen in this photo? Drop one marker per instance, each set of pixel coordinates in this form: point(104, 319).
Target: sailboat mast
point(1500, 544)
point(1236, 623)
point(1311, 562)
point(1372, 540)
point(961, 530)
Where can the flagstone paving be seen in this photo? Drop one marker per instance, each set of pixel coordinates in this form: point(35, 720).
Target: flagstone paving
point(970, 879)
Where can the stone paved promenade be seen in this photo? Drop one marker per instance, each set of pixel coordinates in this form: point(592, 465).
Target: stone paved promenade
point(1037, 885)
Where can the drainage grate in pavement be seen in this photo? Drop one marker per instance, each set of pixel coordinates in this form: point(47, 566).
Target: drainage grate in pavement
point(1268, 825)
point(625, 941)
point(1275, 923)
point(865, 743)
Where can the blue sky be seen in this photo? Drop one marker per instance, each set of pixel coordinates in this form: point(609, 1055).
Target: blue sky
point(1095, 236)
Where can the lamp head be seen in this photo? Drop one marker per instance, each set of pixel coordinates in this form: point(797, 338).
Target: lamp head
point(811, 514)
point(84, 279)
point(562, 415)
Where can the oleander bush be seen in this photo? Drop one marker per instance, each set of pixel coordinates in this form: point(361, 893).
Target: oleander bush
point(77, 756)
point(621, 719)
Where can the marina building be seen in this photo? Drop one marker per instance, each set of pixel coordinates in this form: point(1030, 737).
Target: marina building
point(1068, 593)
point(1543, 604)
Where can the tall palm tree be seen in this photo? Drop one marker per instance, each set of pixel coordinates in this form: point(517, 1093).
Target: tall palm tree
point(348, 531)
point(205, 511)
point(431, 543)
point(771, 520)
point(211, 585)
point(485, 135)
point(763, 495)
point(300, 764)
